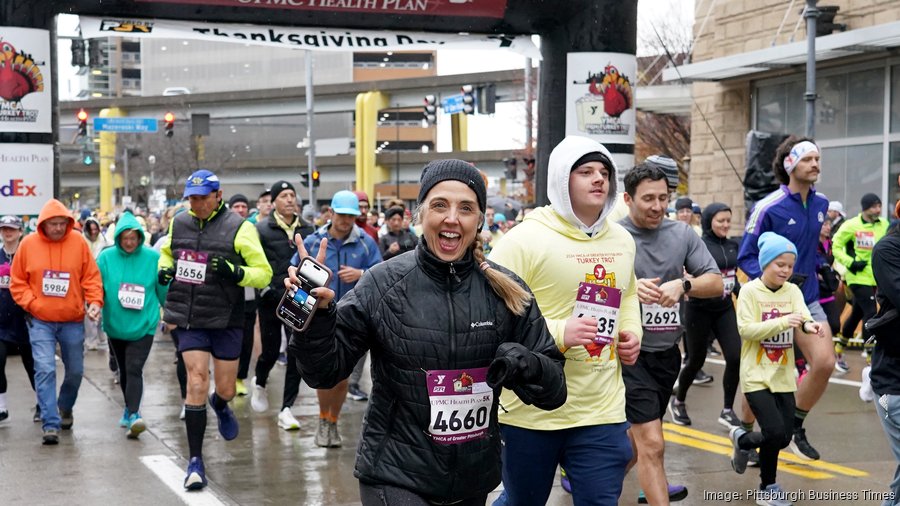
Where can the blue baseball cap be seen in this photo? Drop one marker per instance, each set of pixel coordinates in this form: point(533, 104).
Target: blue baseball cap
point(345, 202)
point(201, 182)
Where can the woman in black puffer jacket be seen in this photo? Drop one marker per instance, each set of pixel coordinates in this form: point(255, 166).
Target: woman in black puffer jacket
point(716, 316)
point(446, 329)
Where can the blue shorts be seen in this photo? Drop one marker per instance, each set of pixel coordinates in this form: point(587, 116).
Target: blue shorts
point(223, 344)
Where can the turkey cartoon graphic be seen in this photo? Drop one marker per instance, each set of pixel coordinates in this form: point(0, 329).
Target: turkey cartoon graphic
point(19, 74)
point(603, 94)
point(24, 91)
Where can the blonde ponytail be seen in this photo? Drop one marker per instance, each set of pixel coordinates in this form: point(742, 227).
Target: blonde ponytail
point(514, 296)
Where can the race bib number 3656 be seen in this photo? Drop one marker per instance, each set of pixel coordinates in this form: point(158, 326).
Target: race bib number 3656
point(461, 403)
point(191, 267)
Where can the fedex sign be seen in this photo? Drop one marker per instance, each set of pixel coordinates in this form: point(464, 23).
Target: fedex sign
point(26, 178)
point(18, 188)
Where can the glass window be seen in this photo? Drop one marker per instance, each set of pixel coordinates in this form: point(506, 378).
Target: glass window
point(831, 107)
point(865, 103)
point(771, 108)
point(893, 174)
point(851, 172)
point(895, 98)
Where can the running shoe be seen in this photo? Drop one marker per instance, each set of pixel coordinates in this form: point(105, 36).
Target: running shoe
point(840, 364)
point(712, 351)
point(564, 481)
point(228, 424)
point(676, 493)
point(135, 426)
point(678, 412)
point(181, 415)
point(355, 393)
point(728, 418)
point(50, 437)
point(37, 414)
point(259, 401)
point(334, 437)
point(282, 358)
point(68, 419)
point(322, 433)
point(752, 458)
point(287, 421)
point(4, 415)
point(196, 474)
point(701, 378)
point(772, 495)
point(123, 422)
point(240, 389)
point(866, 394)
point(739, 457)
point(801, 447)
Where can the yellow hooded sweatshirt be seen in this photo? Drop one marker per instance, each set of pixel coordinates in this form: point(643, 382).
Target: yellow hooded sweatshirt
point(553, 252)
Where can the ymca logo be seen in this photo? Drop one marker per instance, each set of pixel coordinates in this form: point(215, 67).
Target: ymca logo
point(17, 188)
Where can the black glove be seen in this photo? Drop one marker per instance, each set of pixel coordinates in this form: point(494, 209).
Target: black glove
point(857, 266)
point(164, 276)
point(221, 266)
point(514, 364)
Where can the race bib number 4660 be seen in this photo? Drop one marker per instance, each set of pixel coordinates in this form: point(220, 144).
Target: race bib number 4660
point(191, 267)
point(461, 403)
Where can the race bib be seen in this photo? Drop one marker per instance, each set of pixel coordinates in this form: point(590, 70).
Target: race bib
point(775, 348)
point(55, 283)
point(728, 279)
point(461, 403)
point(602, 303)
point(655, 318)
point(191, 267)
point(865, 239)
point(131, 296)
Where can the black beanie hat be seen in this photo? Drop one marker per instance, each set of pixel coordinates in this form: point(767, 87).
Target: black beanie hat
point(279, 187)
point(684, 203)
point(457, 170)
point(594, 156)
point(237, 197)
point(869, 200)
point(393, 211)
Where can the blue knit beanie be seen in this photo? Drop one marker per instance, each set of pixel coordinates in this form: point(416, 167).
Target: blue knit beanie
point(771, 246)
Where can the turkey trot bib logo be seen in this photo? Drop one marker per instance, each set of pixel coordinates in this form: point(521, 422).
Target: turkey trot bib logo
point(601, 277)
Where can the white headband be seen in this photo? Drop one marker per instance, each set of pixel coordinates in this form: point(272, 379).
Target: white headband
point(799, 150)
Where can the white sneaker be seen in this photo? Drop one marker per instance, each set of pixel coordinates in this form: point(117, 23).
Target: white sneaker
point(259, 401)
point(866, 394)
point(287, 421)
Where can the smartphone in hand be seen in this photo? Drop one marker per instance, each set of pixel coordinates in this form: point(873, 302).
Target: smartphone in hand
point(298, 305)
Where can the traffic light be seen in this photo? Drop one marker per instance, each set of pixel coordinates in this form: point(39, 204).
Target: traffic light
point(468, 92)
point(511, 165)
point(88, 159)
point(487, 99)
point(169, 118)
point(315, 178)
point(304, 179)
point(82, 117)
point(825, 24)
point(78, 53)
point(95, 53)
point(430, 110)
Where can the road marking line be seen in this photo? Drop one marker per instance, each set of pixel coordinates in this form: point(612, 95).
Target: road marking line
point(786, 457)
point(837, 381)
point(173, 477)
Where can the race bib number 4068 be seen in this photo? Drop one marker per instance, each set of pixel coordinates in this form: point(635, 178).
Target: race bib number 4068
point(461, 403)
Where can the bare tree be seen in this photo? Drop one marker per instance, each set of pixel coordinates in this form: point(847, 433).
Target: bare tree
point(667, 135)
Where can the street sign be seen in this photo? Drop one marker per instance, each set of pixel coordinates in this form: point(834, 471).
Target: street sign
point(452, 104)
point(126, 125)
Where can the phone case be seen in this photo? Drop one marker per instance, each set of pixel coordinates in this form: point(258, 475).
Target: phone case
point(286, 294)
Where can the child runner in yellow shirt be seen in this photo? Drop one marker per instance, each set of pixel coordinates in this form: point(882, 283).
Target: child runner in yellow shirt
point(770, 310)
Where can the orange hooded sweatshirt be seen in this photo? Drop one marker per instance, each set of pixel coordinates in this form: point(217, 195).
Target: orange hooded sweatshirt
point(38, 254)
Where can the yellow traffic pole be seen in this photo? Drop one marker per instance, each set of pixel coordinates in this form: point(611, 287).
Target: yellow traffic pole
point(459, 129)
point(367, 173)
point(107, 157)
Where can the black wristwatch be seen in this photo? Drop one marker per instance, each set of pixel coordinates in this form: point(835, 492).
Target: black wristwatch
point(686, 285)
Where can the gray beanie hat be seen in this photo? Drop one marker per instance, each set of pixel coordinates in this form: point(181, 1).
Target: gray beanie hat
point(668, 166)
point(458, 170)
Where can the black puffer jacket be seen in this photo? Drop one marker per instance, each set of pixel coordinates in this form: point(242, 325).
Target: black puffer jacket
point(417, 313)
point(724, 251)
point(279, 249)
